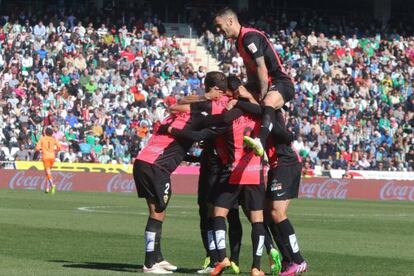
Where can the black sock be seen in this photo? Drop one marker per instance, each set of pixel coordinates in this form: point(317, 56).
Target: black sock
point(219, 226)
point(203, 212)
point(212, 248)
point(258, 238)
point(289, 239)
point(152, 242)
point(268, 119)
point(235, 234)
point(279, 242)
point(268, 240)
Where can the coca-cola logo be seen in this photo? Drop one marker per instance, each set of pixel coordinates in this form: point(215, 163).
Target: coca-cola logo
point(393, 191)
point(121, 183)
point(329, 189)
point(27, 180)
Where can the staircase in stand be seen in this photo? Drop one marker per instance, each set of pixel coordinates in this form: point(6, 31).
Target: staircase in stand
point(198, 54)
point(189, 43)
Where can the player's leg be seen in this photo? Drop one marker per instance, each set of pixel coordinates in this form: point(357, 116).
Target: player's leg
point(210, 167)
point(204, 217)
point(154, 260)
point(285, 189)
point(48, 164)
point(211, 248)
point(278, 95)
point(148, 180)
point(258, 240)
point(288, 237)
point(202, 192)
point(153, 231)
point(278, 261)
point(253, 197)
point(274, 255)
point(220, 229)
point(225, 197)
point(235, 237)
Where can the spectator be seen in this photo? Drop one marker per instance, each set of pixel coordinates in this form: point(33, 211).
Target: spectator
point(22, 154)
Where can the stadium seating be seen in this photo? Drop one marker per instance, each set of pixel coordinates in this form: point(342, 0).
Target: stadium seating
point(93, 82)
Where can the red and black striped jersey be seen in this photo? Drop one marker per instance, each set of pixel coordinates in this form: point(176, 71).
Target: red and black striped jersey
point(165, 151)
point(251, 44)
point(246, 166)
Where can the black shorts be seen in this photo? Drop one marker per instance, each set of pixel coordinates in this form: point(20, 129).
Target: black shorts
point(285, 88)
point(227, 195)
point(210, 168)
point(152, 183)
point(283, 182)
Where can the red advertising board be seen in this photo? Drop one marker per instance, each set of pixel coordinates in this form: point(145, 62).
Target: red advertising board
point(320, 188)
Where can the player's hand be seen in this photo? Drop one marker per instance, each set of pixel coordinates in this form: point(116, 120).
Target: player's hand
point(214, 94)
point(163, 129)
point(231, 104)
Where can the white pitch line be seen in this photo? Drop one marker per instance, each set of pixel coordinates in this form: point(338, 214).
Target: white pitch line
point(98, 209)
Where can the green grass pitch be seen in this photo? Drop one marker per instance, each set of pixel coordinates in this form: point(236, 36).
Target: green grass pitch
point(76, 233)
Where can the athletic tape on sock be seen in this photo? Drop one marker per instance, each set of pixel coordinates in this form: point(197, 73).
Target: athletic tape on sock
point(294, 243)
point(221, 239)
point(259, 250)
point(211, 243)
point(149, 241)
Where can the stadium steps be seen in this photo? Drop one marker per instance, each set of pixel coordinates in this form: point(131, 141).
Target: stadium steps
point(199, 56)
point(188, 42)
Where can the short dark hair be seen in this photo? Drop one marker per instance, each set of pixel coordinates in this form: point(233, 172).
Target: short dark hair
point(233, 83)
point(226, 11)
point(49, 131)
point(215, 78)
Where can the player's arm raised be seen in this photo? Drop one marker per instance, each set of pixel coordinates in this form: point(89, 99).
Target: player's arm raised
point(184, 105)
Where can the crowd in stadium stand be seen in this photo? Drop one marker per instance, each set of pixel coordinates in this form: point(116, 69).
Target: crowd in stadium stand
point(105, 88)
point(102, 88)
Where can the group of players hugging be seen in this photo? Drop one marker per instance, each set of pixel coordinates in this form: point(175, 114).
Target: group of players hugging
point(242, 129)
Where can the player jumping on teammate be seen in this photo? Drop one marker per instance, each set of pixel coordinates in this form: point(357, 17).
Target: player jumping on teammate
point(264, 67)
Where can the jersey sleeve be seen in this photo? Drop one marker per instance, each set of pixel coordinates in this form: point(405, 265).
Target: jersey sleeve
point(253, 43)
point(204, 134)
point(200, 107)
point(248, 107)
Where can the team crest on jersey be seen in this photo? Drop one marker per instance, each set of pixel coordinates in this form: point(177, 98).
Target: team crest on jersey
point(252, 47)
point(165, 198)
point(275, 186)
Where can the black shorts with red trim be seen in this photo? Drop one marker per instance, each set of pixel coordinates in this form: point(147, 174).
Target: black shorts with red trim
point(227, 195)
point(283, 182)
point(285, 88)
point(152, 183)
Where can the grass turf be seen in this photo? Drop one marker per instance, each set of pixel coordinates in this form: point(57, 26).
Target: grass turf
point(53, 235)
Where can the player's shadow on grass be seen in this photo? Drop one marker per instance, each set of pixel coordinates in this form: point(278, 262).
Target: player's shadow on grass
point(100, 266)
point(113, 266)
